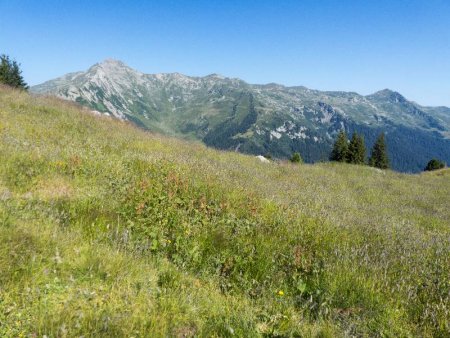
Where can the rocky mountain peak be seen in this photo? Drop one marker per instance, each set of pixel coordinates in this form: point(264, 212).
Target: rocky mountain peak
point(388, 95)
point(111, 67)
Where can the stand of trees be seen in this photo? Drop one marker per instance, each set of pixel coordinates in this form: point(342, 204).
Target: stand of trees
point(355, 151)
point(10, 73)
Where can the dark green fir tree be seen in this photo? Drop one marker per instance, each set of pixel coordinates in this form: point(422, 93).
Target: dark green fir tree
point(379, 157)
point(340, 148)
point(356, 150)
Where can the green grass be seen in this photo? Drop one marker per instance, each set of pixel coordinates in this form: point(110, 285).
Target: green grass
point(106, 230)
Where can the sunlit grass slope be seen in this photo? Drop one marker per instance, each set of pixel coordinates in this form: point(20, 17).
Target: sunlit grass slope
point(106, 230)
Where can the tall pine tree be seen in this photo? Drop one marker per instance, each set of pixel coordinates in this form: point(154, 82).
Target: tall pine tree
point(10, 73)
point(379, 157)
point(340, 148)
point(356, 150)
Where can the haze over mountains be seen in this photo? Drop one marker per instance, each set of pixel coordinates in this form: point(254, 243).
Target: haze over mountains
point(228, 113)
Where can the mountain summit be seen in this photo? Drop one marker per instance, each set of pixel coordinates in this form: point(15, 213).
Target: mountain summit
point(229, 113)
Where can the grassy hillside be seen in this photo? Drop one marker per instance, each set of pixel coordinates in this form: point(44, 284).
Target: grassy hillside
point(106, 230)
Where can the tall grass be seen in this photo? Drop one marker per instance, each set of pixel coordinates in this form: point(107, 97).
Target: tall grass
point(107, 230)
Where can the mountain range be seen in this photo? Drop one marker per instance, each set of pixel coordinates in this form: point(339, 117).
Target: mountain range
point(271, 119)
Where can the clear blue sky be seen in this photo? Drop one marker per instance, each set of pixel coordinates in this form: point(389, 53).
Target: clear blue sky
point(354, 45)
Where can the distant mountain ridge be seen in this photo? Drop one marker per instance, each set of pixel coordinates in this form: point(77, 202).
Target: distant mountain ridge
point(228, 113)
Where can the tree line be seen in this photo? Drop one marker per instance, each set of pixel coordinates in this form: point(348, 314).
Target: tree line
point(354, 151)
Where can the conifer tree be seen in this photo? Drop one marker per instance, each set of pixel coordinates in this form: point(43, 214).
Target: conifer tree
point(296, 158)
point(356, 150)
point(10, 73)
point(340, 148)
point(379, 157)
point(434, 164)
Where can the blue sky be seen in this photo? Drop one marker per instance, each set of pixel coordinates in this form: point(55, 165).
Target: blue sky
point(350, 45)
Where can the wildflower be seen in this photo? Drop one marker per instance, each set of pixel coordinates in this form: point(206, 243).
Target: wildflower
point(281, 293)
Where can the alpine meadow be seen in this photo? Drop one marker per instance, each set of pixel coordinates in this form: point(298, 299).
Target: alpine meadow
point(184, 169)
point(107, 230)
